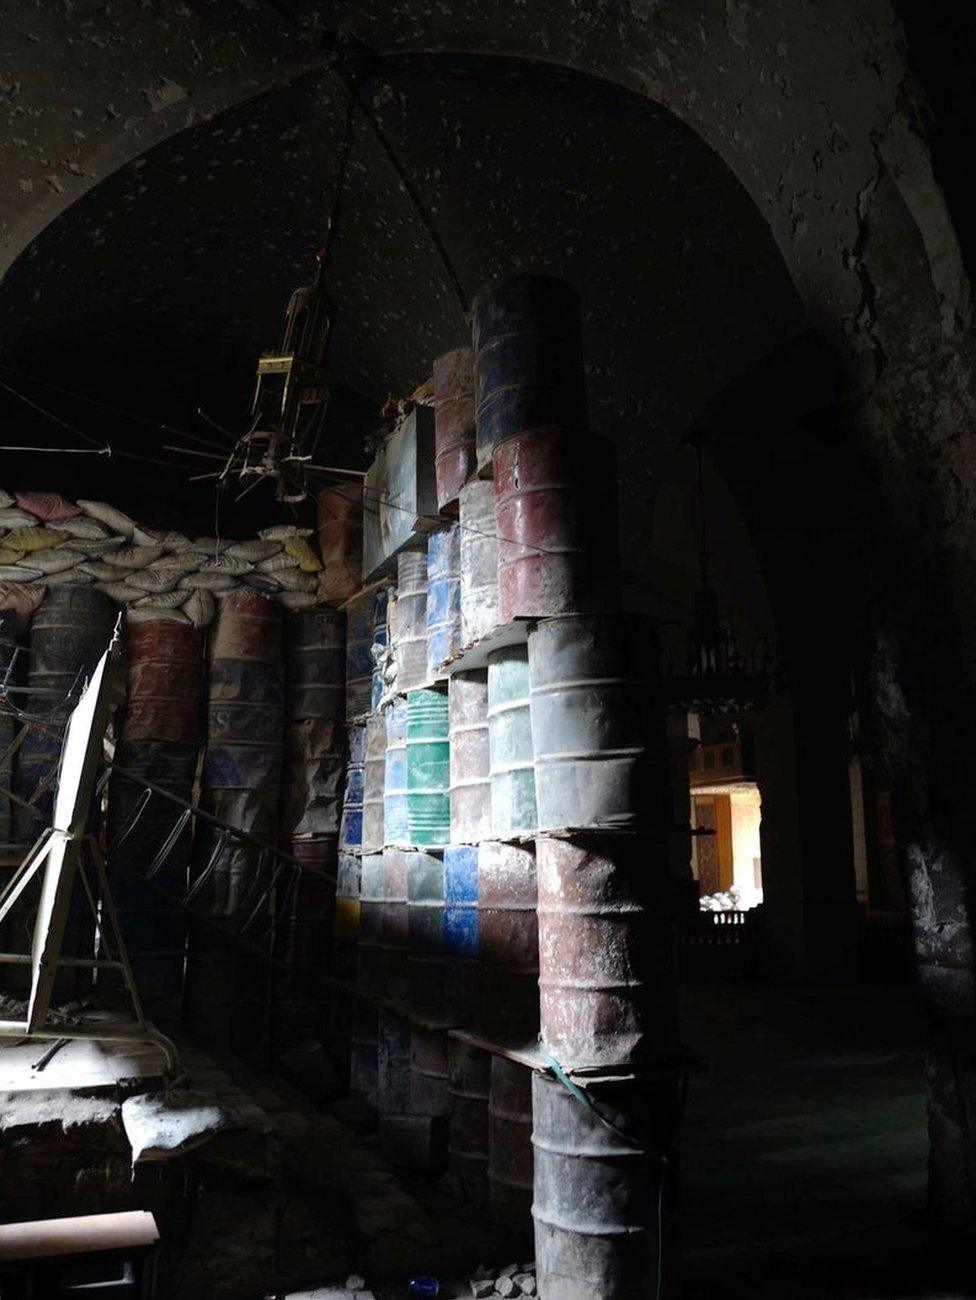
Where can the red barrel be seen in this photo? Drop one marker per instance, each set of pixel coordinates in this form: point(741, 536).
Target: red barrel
point(455, 456)
point(340, 529)
point(248, 626)
point(165, 682)
point(605, 985)
point(558, 551)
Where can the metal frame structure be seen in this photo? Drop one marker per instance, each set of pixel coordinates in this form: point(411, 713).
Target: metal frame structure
point(58, 856)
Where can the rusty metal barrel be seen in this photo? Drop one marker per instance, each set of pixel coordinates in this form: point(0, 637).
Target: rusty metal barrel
point(364, 1046)
point(463, 970)
point(351, 823)
point(443, 600)
point(302, 940)
point(470, 758)
point(373, 784)
point(455, 454)
point(590, 678)
point(428, 769)
point(410, 621)
point(508, 938)
point(605, 983)
point(510, 1144)
point(340, 532)
point(226, 987)
point(470, 1073)
point(480, 613)
point(512, 768)
point(427, 961)
point(428, 1071)
point(315, 649)
point(528, 358)
point(164, 687)
point(396, 922)
point(597, 1189)
point(395, 825)
point(558, 546)
point(70, 631)
point(372, 963)
point(392, 1063)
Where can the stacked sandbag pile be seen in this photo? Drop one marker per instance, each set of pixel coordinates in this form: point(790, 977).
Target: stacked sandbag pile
point(46, 541)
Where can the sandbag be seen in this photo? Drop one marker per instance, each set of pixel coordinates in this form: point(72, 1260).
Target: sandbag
point(22, 599)
point(51, 507)
point(18, 573)
point(134, 557)
point(153, 579)
point(279, 532)
point(89, 530)
point(56, 560)
point(33, 537)
point(253, 551)
point(299, 549)
point(208, 582)
point(116, 520)
point(200, 608)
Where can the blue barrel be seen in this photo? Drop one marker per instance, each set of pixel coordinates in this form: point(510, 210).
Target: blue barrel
point(427, 964)
point(528, 358)
point(315, 663)
point(443, 599)
point(395, 829)
point(461, 934)
point(512, 767)
point(428, 769)
point(351, 824)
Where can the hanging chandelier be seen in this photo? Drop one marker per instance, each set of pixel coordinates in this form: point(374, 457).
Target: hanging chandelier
point(716, 677)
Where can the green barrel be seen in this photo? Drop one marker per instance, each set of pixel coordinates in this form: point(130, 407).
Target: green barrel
point(428, 769)
point(511, 765)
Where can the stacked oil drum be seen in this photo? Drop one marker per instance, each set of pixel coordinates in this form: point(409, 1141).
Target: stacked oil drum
point(311, 806)
point(8, 729)
point(227, 990)
point(69, 633)
point(149, 836)
point(578, 761)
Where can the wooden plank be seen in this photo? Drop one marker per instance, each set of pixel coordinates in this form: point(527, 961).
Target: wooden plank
point(44, 1238)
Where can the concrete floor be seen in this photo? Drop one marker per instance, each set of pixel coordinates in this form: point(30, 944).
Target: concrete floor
point(804, 1148)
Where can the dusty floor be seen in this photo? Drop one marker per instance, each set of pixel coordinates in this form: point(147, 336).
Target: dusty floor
point(804, 1148)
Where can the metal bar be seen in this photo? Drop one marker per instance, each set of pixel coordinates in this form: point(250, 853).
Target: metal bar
point(15, 744)
point(104, 1031)
point(80, 963)
point(26, 872)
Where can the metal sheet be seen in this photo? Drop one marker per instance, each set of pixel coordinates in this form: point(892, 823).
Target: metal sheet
point(443, 599)
point(510, 1143)
point(312, 782)
point(455, 456)
point(480, 613)
point(399, 492)
point(596, 1194)
point(508, 941)
point(591, 680)
point(428, 768)
point(470, 759)
point(605, 948)
point(512, 772)
point(528, 349)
